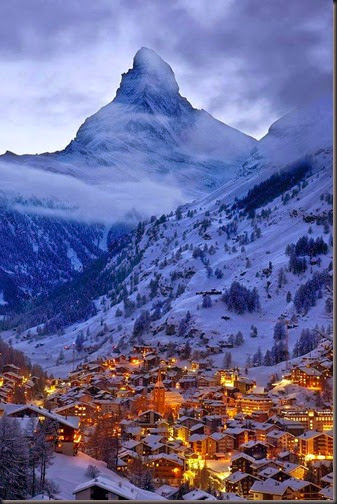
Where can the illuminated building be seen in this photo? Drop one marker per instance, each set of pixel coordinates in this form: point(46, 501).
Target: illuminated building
point(321, 420)
point(168, 468)
point(248, 404)
point(239, 483)
point(307, 377)
point(315, 445)
point(290, 489)
point(68, 435)
point(159, 395)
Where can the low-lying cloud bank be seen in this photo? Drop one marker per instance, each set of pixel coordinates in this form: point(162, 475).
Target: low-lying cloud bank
point(49, 194)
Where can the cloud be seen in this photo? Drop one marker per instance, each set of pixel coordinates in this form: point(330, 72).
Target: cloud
point(247, 62)
point(50, 194)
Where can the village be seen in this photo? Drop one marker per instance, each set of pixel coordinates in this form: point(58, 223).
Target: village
point(189, 431)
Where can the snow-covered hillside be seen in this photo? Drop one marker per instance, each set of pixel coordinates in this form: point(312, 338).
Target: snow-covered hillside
point(228, 262)
point(303, 131)
point(69, 472)
point(171, 275)
point(38, 252)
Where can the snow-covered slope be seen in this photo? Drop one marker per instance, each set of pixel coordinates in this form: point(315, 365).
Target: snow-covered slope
point(164, 266)
point(69, 472)
point(149, 131)
point(168, 263)
point(303, 131)
point(37, 252)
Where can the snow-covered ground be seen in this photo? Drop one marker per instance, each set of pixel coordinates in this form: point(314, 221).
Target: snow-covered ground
point(167, 248)
point(69, 472)
point(162, 255)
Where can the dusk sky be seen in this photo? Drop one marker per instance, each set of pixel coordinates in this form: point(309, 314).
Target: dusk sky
point(247, 62)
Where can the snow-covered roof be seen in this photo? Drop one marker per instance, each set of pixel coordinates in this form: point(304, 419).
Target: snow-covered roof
point(166, 490)
point(328, 478)
point(231, 496)
point(198, 495)
point(327, 493)
point(237, 476)
point(197, 437)
point(168, 456)
point(243, 455)
point(128, 492)
point(311, 434)
point(269, 486)
point(268, 472)
point(70, 421)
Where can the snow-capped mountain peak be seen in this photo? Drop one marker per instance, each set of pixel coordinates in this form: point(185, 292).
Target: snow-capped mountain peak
point(149, 78)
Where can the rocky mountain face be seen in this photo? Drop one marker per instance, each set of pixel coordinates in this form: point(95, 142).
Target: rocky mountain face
point(149, 134)
point(150, 131)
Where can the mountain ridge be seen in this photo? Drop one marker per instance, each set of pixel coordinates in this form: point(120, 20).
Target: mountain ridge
point(149, 131)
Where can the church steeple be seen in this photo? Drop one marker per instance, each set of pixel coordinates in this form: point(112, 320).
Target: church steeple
point(159, 395)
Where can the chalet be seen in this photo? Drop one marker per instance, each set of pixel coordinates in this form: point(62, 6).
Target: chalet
point(242, 462)
point(68, 435)
point(313, 444)
point(239, 434)
point(217, 408)
point(214, 422)
point(295, 470)
point(10, 368)
point(140, 380)
point(149, 418)
point(127, 456)
point(322, 471)
point(16, 378)
point(103, 488)
point(292, 426)
point(224, 442)
point(199, 444)
point(275, 473)
point(108, 407)
point(79, 409)
point(199, 428)
point(196, 495)
point(288, 456)
point(239, 483)
point(187, 382)
point(259, 465)
point(256, 449)
point(181, 432)
point(151, 361)
point(188, 421)
point(167, 468)
point(263, 429)
point(135, 446)
point(326, 493)
point(131, 432)
point(307, 377)
point(205, 381)
point(280, 440)
point(167, 491)
point(259, 416)
point(244, 384)
point(290, 489)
